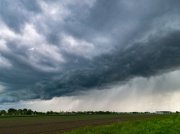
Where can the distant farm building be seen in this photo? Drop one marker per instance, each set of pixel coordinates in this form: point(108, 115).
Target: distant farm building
point(163, 112)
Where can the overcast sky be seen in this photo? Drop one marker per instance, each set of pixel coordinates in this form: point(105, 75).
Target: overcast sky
point(118, 55)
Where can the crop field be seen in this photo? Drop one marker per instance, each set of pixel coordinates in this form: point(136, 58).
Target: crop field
point(162, 124)
point(66, 123)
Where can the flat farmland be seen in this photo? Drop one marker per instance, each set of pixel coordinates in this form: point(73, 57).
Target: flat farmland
point(162, 124)
point(60, 124)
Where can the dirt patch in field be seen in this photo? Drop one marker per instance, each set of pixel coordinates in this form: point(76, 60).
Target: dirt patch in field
point(61, 126)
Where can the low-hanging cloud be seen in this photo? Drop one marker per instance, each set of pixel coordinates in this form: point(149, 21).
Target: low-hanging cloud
point(57, 48)
point(138, 94)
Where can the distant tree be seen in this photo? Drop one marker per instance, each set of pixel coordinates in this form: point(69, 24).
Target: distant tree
point(12, 111)
point(50, 112)
point(29, 112)
point(19, 111)
point(24, 111)
point(35, 112)
point(3, 112)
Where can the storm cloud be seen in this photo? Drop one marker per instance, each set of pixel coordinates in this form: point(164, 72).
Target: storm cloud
point(63, 48)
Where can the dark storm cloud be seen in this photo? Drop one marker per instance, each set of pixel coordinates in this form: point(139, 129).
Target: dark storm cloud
point(55, 48)
point(154, 57)
point(14, 13)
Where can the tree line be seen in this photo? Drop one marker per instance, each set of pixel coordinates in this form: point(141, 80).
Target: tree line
point(18, 112)
point(13, 111)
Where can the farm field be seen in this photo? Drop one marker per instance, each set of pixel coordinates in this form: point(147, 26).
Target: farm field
point(164, 124)
point(63, 123)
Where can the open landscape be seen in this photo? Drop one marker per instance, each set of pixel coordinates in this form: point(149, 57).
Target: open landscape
point(90, 66)
point(160, 124)
point(50, 124)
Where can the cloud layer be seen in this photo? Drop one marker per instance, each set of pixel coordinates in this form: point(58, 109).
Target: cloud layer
point(63, 48)
point(139, 94)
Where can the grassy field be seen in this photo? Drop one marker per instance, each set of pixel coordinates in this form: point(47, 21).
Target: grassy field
point(162, 124)
point(61, 123)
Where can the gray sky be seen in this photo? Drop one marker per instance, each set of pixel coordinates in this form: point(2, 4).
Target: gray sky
point(77, 53)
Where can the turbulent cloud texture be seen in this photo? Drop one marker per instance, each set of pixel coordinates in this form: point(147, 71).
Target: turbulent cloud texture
point(66, 48)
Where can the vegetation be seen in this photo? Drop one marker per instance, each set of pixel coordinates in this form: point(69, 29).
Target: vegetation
point(167, 124)
point(52, 122)
point(15, 112)
point(12, 111)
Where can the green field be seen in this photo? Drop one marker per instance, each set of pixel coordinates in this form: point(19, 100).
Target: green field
point(162, 124)
point(91, 124)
